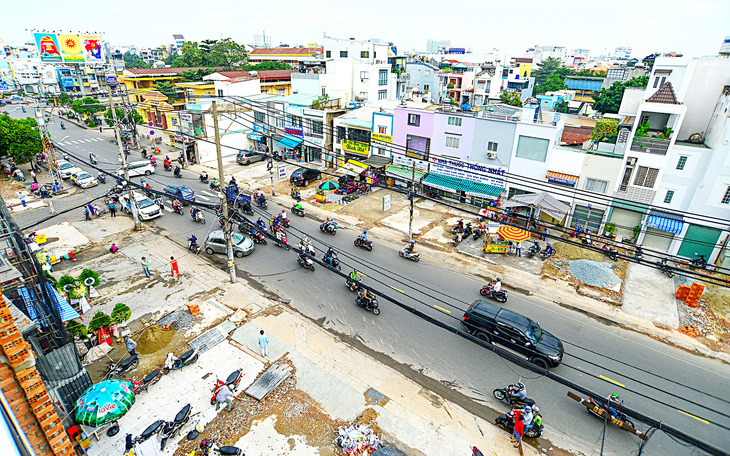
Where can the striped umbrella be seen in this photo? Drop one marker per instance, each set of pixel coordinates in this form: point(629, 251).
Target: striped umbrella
point(512, 233)
point(329, 185)
point(104, 402)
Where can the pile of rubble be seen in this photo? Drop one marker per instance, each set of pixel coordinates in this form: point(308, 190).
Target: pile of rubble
point(357, 439)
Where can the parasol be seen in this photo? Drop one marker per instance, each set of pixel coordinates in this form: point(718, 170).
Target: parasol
point(512, 233)
point(329, 185)
point(104, 402)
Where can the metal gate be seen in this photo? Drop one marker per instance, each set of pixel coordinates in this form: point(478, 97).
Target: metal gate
point(625, 221)
point(589, 218)
point(699, 240)
point(657, 239)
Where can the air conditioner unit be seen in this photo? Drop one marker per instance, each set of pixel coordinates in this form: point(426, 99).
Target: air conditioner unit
point(491, 155)
point(631, 161)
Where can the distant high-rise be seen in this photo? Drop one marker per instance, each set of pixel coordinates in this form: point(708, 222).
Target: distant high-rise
point(622, 53)
point(177, 42)
point(262, 41)
point(433, 46)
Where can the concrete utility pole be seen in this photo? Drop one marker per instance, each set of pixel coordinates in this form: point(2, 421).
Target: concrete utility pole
point(224, 200)
point(182, 142)
point(410, 196)
point(120, 143)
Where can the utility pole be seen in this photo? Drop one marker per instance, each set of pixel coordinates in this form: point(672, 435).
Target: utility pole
point(224, 199)
point(182, 141)
point(410, 196)
point(130, 196)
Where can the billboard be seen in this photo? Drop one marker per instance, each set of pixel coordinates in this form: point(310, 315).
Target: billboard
point(68, 48)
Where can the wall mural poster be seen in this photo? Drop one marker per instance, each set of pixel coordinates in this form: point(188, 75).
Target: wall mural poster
point(48, 48)
point(71, 48)
point(92, 48)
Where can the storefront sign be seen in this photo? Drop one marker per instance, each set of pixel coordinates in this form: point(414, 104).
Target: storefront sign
point(315, 141)
point(111, 80)
point(468, 171)
point(294, 131)
point(262, 128)
point(420, 165)
point(179, 137)
point(386, 202)
point(186, 117)
point(355, 147)
point(381, 138)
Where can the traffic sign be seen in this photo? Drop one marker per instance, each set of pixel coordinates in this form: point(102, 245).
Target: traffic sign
point(152, 132)
point(150, 124)
point(282, 171)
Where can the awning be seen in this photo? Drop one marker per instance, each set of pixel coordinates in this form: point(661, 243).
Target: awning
point(455, 184)
point(541, 201)
point(60, 304)
point(665, 221)
point(289, 142)
point(353, 168)
point(255, 136)
point(377, 161)
point(403, 172)
point(562, 177)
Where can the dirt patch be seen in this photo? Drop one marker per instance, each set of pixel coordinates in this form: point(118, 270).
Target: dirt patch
point(154, 339)
point(574, 252)
point(368, 417)
point(9, 188)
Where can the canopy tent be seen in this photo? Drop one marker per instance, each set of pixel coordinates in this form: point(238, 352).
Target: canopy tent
point(543, 202)
point(353, 168)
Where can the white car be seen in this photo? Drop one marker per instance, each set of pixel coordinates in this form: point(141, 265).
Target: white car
point(146, 208)
point(67, 169)
point(84, 179)
point(137, 168)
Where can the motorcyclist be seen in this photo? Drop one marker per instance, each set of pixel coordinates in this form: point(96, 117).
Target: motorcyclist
point(176, 205)
point(261, 199)
point(298, 207)
point(102, 177)
point(204, 176)
point(257, 194)
point(233, 181)
point(354, 279)
point(194, 212)
point(215, 184)
point(246, 206)
point(610, 400)
point(62, 125)
point(365, 296)
point(166, 163)
point(363, 237)
point(144, 153)
point(153, 160)
point(177, 171)
point(411, 248)
point(331, 255)
point(518, 391)
point(260, 222)
point(495, 286)
point(193, 242)
point(527, 417)
point(303, 258)
point(283, 214)
point(295, 193)
point(92, 158)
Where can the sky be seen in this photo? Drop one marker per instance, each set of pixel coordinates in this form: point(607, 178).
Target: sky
point(693, 28)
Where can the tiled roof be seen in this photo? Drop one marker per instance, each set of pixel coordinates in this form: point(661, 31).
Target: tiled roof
point(160, 71)
point(264, 75)
point(665, 95)
point(286, 51)
point(576, 135)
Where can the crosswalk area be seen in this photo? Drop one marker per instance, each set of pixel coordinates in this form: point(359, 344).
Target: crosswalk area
point(80, 141)
point(199, 195)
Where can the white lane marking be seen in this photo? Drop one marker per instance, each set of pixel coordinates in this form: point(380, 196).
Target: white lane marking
point(203, 198)
point(209, 194)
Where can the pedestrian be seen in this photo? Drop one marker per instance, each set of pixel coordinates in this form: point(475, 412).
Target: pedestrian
point(87, 214)
point(225, 396)
point(100, 129)
point(91, 209)
point(263, 343)
point(112, 209)
point(42, 189)
point(146, 266)
point(519, 428)
point(113, 248)
point(33, 175)
point(131, 345)
point(173, 267)
point(518, 249)
point(22, 198)
point(51, 208)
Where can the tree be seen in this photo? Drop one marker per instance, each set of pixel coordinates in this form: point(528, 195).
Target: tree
point(190, 56)
point(511, 98)
point(87, 105)
point(554, 83)
point(604, 129)
point(562, 107)
point(19, 138)
point(195, 75)
point(134, 61)
point(265, 66)
point(125, 117)
point(166, 88)
point(609, 100)
point(545, 69)
point(321, 101)
point(227, 53)
point(169, 59)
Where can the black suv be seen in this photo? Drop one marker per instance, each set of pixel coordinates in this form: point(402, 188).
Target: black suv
point(303, 176)
point(490, 322)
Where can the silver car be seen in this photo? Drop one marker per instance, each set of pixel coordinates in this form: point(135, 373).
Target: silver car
point(246, 157)
point(216, 243)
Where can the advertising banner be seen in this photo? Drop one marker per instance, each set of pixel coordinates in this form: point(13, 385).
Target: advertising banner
point(92, 48)
point(69, 48)
point(381, 138)
point(294, 131)
point(355, 147)
point(48, 48)
point(469, 171)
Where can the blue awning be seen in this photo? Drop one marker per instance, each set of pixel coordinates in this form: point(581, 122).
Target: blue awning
point(255, 136)
point(59, 304)
point(665, 224)
point(455, 184)
point(289, 142)
point(67, 312)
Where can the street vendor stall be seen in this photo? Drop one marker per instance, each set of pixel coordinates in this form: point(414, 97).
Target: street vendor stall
point(499, 240)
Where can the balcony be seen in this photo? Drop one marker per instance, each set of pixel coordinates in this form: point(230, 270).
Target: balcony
point(650, 145)
point(637, 194)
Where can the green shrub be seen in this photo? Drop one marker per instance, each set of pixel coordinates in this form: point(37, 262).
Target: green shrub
point(77, 329)
point(100, 320)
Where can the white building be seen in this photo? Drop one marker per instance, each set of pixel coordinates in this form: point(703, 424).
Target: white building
point(539, 53)
point(621, 52)
point(34, 76)
point(356, 51)
point(434, 46)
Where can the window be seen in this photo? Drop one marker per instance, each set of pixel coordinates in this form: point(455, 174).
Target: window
point(328, 54)
point(279, 122)
point(281, 91)
point(382, 94)
point(364, 75)
point(682, 161)
point(481, 85)
point(492, 146)
point(220, 92)
point(340, 133)
point(668, 197)
point(726, 198)
point(455, 121)
point(317, 127)
point(626, 179)
point(364, 96)
point(656, 82)
point(663, 81)
point(426, 88)
point(595, 185)
point(343, 54)
point(296, 121)
point(414, 120)
point(364, 54)
point(452, 142)
point(427, 73)
point(382, 130)
point(532, 148)
point(324, 91)
point(355, 134)
point(383, 77)
point(646, 177)
point(259, 117)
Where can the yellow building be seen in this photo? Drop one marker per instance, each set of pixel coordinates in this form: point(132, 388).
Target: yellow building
point(274, 82)
point(193, 91)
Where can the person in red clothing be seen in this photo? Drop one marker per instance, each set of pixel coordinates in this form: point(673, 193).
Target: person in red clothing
point(173, 267)
point(519, 428)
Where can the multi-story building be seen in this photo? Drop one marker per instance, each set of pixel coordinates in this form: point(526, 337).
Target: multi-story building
point(423, 81)
point(303, 59)
point(435, 46)
point(176, 46)
point(539, 53)
point(274, 82)
point(621, 52)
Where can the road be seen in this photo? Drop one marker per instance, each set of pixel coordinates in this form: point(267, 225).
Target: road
point(649, 370)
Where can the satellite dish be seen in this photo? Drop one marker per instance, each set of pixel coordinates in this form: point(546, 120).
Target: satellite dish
point(695, 138)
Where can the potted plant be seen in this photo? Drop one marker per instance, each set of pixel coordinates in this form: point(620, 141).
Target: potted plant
point(637, 230)
point(611, 230)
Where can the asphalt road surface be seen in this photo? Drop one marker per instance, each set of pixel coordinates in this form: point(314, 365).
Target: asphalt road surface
point(680, 389)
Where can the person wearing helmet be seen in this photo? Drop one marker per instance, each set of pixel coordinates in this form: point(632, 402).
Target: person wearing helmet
point(610, 400)
point(518, 391)
point(283, 214)
point(527, 417)
point(363, 237)
point(497, 285)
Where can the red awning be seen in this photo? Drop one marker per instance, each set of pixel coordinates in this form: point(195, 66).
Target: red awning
point(561, 177)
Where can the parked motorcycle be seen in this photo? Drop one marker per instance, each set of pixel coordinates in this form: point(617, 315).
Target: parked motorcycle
point(153, 429)
point(478, 232)
point(459, 227)
point(638, 252)
point(507, 422)
point(699, 263)
point(363, 244)
point(370, 303)
point(467, 230)
point(307, 263)
point(296, 211)
point(173, 362)
point(404, 253)
point(208, 445)
point(458, 237)
point(610, 252)
point(170, 429)
point(499, 296)
point(150, 379)
point(665, 268)
point(433, 194)
point(503, 394)
point(533, 250)
point(231, 382)
point(128, 364)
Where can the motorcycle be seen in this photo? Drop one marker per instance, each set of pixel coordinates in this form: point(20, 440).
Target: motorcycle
point(192, 245)
point(63, 127)
point(499, 296)
point(177, 173)
point(168, 167)
point(597, 409)
point(547, 252)
point(697, 263)
point(295, 194)
point(101, 177)
point(281, 241)
point(128, 364)
point(467, 230)
point(533, 250)
point(257, 237)
point(329, 227)
point(665, 268)
point(214, 186)
point(457, 239)
point(171, 428)
point(283, 221)
point(459, 227)
point(404, 253)
point(177, 209)
point(353, 285)
point(307, 263)
point(308, 249)
point(203, 178)
point(262, 203)
point(610, 252)
point(231, 382)
point(370, 303)
point(153, 429)
point(173, 362)
point(333, 261)
point(297, 211)
point(507, 422)
point(433, 194)
point(209, 444)
point(150, 379)
point(93, 160)
point(503, 394)
point(247, 209)
point(478, 232)
point(363, 244)
point(199, 217)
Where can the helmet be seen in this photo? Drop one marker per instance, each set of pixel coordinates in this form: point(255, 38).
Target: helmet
point(283, 211)
point(520, 385)
point(614, 396)
point(499, 280)
point(528, 409)
point(535, 409)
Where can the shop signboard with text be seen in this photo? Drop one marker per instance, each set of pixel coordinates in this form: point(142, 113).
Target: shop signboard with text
point(294, 131)
point(381, 138)
point(408, 162)
point(356, 147)
point(474, 172)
